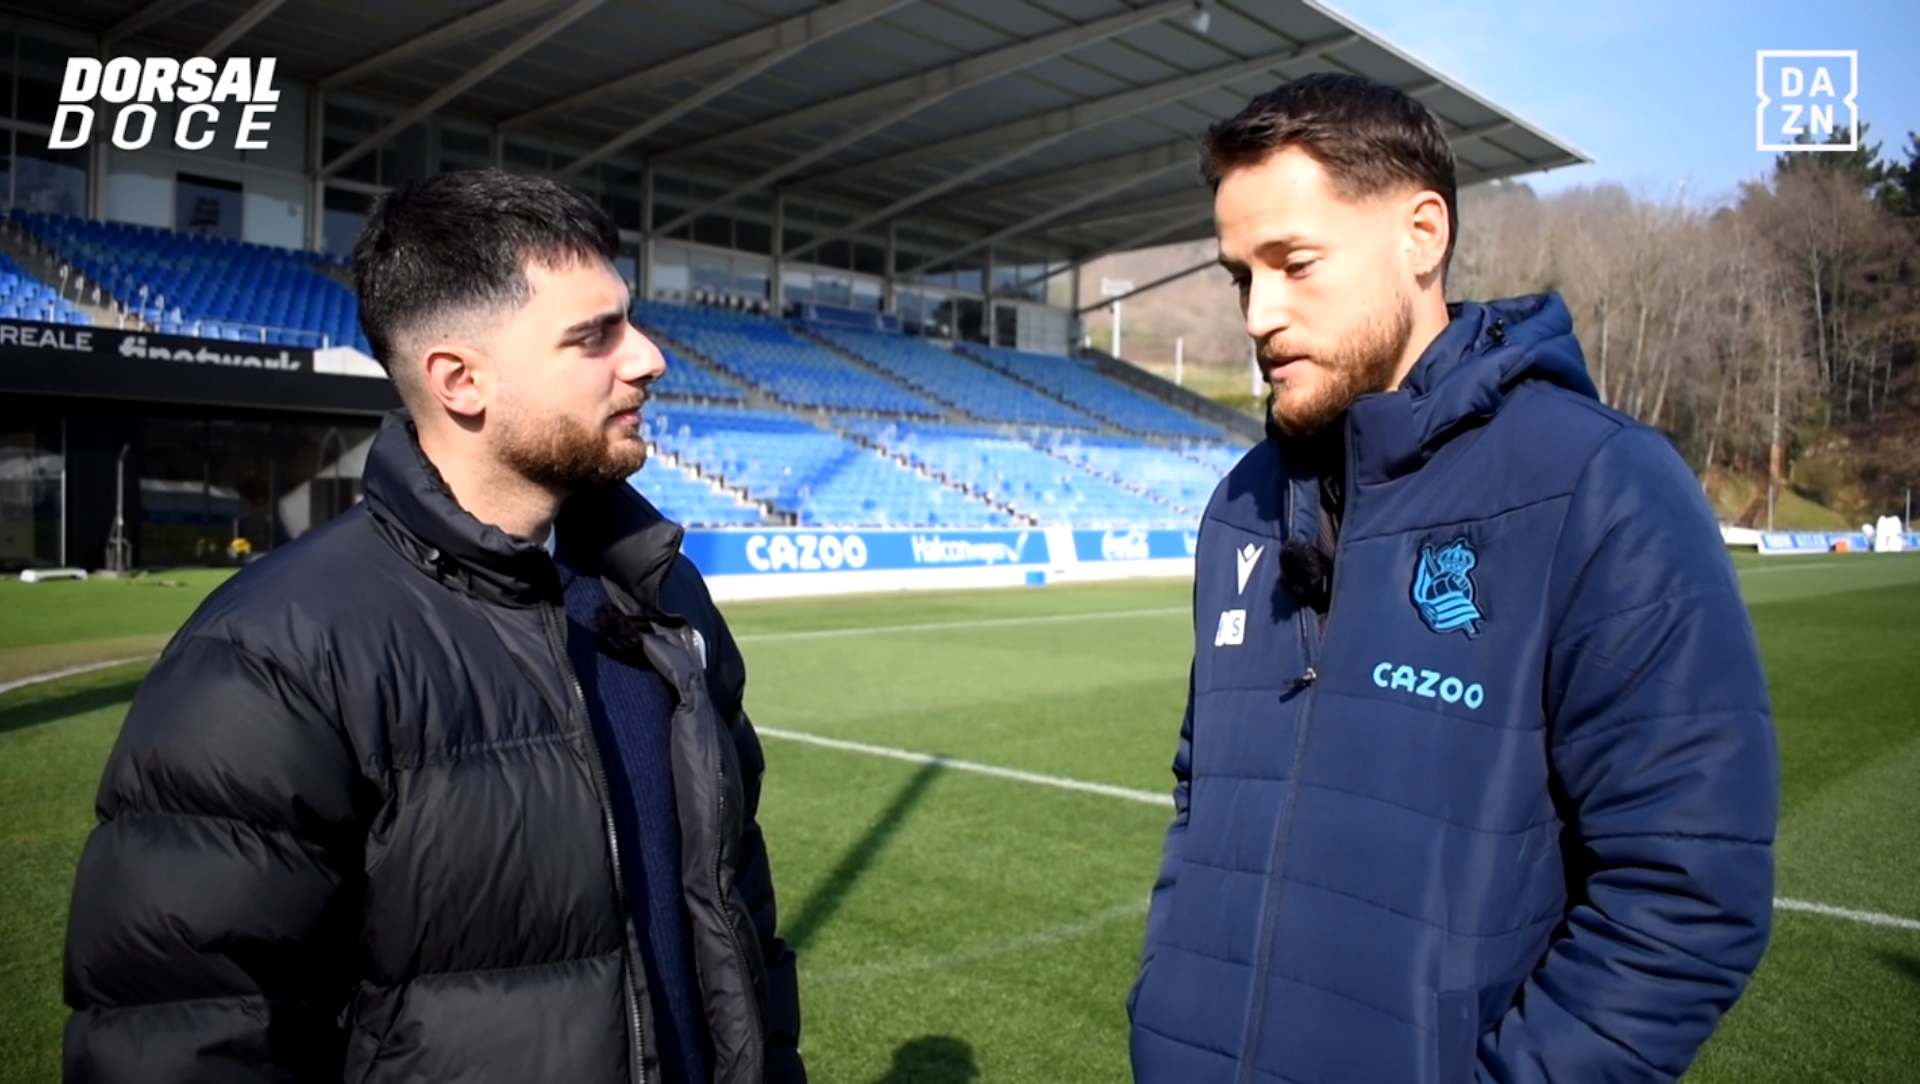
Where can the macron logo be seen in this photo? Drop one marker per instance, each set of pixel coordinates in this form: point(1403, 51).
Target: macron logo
point(198, 82)
point(1248, 557)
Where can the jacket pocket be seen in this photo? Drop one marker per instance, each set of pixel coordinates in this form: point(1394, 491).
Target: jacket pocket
point(1457, 1035)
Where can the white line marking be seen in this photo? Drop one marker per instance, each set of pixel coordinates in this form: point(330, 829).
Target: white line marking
point(1799, 568)
point(1869, 918)
point(71, 671)
point(1145, 797)
point(939, 626)
point(1032, 939)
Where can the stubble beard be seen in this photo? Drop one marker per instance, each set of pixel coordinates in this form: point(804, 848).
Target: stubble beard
point(1363, 363)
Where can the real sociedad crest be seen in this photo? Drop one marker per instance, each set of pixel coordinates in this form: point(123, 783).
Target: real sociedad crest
point(1443, 589)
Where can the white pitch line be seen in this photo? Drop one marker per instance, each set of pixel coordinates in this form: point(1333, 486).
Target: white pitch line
point(1869, 918)
point(940, 626)
point(1827, 910)
point(1798, 568)
point(1145, 797)
point(71, 671)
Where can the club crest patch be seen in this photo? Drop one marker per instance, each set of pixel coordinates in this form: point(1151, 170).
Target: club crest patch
point(1443, 589)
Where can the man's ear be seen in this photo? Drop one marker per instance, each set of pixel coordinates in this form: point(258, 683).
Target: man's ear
point(1429, 228)
point(457, 378)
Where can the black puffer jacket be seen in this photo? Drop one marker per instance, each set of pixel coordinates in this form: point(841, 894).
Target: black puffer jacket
point(356, 828)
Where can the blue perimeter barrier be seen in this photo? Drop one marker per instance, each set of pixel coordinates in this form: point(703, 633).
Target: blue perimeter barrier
point(1773, 543)
point(765, 551)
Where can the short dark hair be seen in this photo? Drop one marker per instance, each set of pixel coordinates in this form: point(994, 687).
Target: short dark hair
point(1370, 138)
point(434, 249)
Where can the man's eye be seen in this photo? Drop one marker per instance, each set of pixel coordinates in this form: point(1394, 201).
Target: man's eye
point(1300, 267)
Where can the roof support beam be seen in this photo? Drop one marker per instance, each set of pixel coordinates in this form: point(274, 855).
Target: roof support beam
point(1180, 150)
point(1154, 285)
point(943, 80)
point(922, 195)
point(856, 12)
point(1145, 240)
point(459, 86)
point(235, 30)
point(1151, 205)
point(800, 29)
point(1004, 61)
point(465, 28)
point(156, 11)
point(1077, 118)
point(1033, 222)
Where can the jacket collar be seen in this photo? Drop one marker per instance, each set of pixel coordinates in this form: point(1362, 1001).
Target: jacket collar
point(613, 525)
point(1461, 379)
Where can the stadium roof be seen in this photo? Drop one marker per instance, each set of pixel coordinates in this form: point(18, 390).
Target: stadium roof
point(1067, 123)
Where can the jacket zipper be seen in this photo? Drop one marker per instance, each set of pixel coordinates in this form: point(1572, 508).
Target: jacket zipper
point(557, 630)
point(1283, 834)
point(757, 1033)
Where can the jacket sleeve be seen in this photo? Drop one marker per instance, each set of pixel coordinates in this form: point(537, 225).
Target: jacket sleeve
point(726, 677)
point(784, 1065)
point(1170, 856)
point(210, 922)
point(1665, 769)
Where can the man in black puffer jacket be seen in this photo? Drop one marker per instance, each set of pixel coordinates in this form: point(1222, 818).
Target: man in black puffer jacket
point(460, 786)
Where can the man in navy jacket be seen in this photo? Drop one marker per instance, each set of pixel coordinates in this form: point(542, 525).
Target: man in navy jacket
point(1478, 779)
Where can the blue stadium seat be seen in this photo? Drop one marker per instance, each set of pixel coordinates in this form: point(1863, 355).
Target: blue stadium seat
point(1077, 383)
point(1002, 468)
point(956, 381)
point(820, 478)
point(765, 353)
point(219, 289)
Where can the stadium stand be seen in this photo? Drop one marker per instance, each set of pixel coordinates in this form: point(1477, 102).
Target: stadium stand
point(1075, 382)
point(23, 297)
point(1171, 478)
point(212, 288)
point(732, 457)
point(819, 478)
point(1218, 458)
point(1006, 470)
point(764, 353)
point(690, 501)
point(689, 380)
point(955, 380)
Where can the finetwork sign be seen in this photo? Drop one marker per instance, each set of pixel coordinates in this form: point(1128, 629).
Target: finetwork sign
point(202, 84)
point(135, 346)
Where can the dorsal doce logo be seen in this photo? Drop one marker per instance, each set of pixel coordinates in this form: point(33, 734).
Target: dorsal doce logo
point(204, 85)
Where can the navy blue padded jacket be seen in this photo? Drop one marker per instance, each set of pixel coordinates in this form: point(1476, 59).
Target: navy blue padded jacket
point(1506, 815)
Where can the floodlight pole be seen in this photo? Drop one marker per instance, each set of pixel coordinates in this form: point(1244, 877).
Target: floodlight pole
point(1179, 361)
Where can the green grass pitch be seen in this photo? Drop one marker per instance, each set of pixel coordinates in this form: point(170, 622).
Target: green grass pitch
point(955, 926)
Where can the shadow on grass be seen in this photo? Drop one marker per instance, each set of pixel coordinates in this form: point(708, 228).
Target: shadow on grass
point(52, 709)
point(1908, 965)
point(827, 899)
point(932, 1059)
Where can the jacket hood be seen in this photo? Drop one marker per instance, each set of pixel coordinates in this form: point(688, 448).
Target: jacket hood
point(612, 523)
point(1462, 378)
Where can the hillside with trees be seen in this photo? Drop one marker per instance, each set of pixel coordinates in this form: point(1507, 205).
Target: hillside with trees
point(1774, 335)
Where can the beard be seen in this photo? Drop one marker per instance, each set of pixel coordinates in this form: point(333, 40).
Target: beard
point(1363, 363)
point(566, 453)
